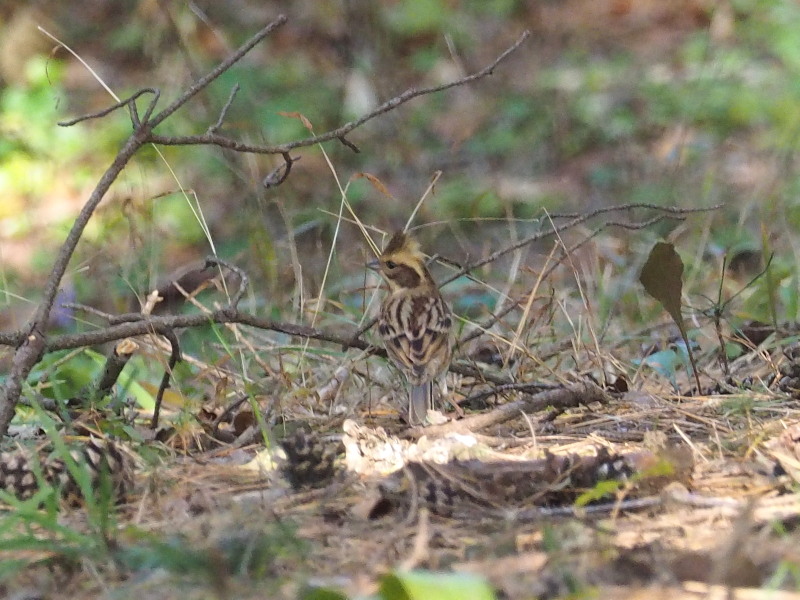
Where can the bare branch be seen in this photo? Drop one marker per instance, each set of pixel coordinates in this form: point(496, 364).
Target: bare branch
point(224, 112)
point(163, 324)
point(405, 97)
point(138, 324)
point(107, 111)
point(675, 210)
point(32, 342)
point(31, 351)
point(506, 388)
point(577, 220)
point(349, 144)
point(148, 113)
point(214, 139)
point(279, 175)
point(115, 363)
point(341, 132)
point(89, 310)
point(575, 394)
point(202, 83)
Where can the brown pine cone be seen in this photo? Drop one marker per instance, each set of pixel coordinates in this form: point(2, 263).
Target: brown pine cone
point(310, 461)
point(22, 472)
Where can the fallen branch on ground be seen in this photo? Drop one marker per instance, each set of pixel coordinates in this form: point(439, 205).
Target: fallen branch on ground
point(567, 397)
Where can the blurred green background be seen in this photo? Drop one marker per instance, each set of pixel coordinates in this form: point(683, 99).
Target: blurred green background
point(687, 103)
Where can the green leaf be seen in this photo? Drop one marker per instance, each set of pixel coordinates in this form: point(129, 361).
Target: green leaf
point(319, 593)
point(602, 489)
point(425, 585)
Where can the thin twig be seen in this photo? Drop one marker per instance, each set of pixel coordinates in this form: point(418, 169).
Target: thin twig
point(349, 144)
point(202, 83)
point(540, 512)
point(174, 358)
point(91, 310)
point(341, 132)
point(237, 402)
point(643, 205)
point(573, 395)
point(563, 227)
point(107, 111)
point(32, 349)
point(508, 387)
point(244, 280)
point(135, 324)
point(224, 112)
point(279, 174)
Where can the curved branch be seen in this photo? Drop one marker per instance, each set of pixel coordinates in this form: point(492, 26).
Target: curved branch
point(409, 94)
point(212, 138)
point(174, 358)
point(278, 175)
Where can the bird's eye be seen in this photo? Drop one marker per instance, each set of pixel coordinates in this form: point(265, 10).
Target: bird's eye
point(390, 264)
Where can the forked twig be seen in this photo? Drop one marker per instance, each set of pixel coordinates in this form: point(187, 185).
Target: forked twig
point(341, 132)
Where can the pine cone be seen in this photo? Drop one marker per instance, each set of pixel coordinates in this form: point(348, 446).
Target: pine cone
point(23, 472)
point(310, 462)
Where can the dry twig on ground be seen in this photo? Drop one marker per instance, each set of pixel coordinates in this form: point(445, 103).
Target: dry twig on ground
point(573, 395)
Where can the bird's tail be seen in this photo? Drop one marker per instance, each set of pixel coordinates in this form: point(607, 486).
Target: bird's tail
point(420, 401)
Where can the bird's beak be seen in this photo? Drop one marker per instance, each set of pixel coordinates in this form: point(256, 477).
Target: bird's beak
point(374, 264)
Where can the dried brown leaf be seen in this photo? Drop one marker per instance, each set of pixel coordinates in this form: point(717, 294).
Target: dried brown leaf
point(377, 184)
point(662, 278)
point(301, 117)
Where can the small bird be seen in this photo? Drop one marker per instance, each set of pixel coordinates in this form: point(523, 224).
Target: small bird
point(414, 321)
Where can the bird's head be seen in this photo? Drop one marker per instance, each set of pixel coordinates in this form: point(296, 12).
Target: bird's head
point(402, 264)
